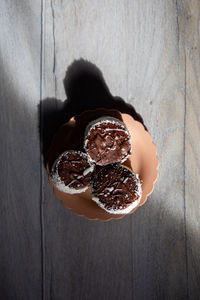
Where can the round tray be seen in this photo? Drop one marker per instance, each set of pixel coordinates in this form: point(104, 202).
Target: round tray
point(143, 160)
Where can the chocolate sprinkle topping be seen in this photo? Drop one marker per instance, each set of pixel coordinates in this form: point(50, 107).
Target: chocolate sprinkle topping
point(74, 169)
point(108, 142)
point(116, 187)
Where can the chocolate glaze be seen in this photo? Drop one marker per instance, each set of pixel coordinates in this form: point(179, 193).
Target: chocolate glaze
point(108, 141)
point(116, 187)
point(73, 169)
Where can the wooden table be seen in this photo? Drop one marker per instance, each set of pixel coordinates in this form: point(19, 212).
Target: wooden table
point(146, 52)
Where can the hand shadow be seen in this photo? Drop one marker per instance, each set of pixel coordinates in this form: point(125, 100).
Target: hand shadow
point(85, 89)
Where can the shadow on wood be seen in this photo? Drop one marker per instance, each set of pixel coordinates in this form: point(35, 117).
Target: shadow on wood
point(85, 89)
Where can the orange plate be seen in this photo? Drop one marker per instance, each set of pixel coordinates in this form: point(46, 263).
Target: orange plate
point(143, 161)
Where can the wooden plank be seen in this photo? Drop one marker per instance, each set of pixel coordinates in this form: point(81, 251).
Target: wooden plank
point(139, 47)
point(20, 231)
point(156, 87)
point(192, 145)
point(84, 259)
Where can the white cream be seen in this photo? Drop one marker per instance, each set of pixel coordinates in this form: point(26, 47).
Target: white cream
point(88, 170)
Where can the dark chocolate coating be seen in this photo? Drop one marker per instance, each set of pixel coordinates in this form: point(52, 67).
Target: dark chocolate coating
point(116, 187)
point(71, 167)
point(108, 143)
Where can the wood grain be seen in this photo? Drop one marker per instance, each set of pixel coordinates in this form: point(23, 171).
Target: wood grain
point(137, 46)
point(84, 259)
point(156, 87)
point(20, 230)
point(192, 144)
point(146, 52)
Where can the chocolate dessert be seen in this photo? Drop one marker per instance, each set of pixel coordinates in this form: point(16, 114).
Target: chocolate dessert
point(107, 141)
point(71, 172)
point(116, 189)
